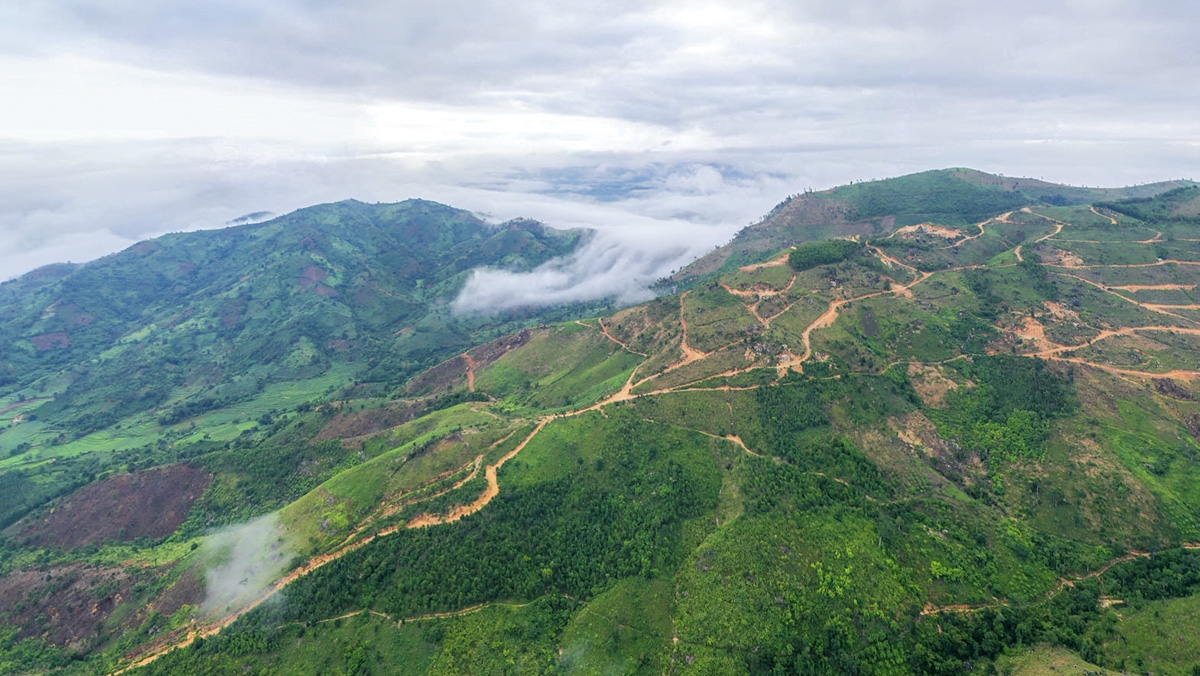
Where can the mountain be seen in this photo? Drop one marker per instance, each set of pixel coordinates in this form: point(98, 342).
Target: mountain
point(955, 197)
point(196, 335)
point(965, 444)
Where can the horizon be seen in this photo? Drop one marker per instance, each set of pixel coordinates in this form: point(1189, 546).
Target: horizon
point(261, 217)
point(125, 121)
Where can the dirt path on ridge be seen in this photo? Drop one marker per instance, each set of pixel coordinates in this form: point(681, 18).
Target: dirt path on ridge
point(19, 404)
point(1063, 583)
point(492, 490)
point(1058, 226)
point(1003, 218)
point(604, 330)
point(1143, 287)
point(1110, 218)
point(470, 371)
point(760, 294)
point(782, 260)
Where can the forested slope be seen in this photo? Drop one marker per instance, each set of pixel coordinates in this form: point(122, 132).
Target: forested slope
point(965, 445)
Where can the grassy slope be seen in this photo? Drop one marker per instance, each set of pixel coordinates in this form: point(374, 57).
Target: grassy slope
point(886, 509)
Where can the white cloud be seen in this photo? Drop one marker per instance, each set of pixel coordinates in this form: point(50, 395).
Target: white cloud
point(126, 119)
point(241, 564)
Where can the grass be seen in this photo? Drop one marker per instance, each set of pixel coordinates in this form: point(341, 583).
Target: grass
point(562, 367)
point(1151, 351)
point(775, 278)
point(715, 318)
point(327, 514)
point(726, 359)
point(719, 413)
point(1111, 253)
point(222, 425)
point(1045, 660)
point(625, 630)
point(566, 446)
point(1157, 637)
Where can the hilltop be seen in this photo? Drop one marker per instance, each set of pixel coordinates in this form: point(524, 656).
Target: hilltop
point(954, 197)
point(923, 448)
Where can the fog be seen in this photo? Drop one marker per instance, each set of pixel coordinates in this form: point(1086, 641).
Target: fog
point(242, 563)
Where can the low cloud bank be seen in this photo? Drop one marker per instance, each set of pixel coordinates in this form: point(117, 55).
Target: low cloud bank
point(242, 563)
point(617, 265)
point(648, 220)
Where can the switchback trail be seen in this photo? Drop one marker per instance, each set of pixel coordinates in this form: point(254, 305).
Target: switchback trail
point(1111, 220)
point(689, 355)
point(492, 490)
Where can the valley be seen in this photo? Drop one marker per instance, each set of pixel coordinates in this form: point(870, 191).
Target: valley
point(967, 427)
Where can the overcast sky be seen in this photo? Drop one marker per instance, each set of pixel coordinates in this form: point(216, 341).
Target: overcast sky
point(665, 125)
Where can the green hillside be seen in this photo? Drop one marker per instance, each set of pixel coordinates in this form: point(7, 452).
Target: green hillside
point(952, 197)
point(204, 336)
point(964, 443)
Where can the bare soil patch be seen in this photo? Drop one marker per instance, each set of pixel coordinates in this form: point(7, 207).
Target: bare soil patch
point(930, 384)
point(782, 260)
point(1066, 259)
point(353, 427)
point(930, 229)
point(489, 352)
point(1155, 287)
point(152, 503)
point(188, 590)
point(447, 374)
point(439, 378)
point(311, 276)
point(66, 605)
point(1172, 389)
point(51, 341)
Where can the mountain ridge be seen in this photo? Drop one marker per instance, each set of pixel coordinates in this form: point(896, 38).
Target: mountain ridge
point(870, 208)
point(919, 450)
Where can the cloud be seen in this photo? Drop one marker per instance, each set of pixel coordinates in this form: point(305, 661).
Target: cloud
point(604, 267)
point(649, 221)
point(250, 218)
point(128, 119)
point(243, 562)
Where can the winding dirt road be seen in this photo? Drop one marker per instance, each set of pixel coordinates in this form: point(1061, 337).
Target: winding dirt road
point(492, 490)
point(691, 355)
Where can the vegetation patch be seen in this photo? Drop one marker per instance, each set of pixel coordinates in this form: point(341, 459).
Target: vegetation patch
point(811, 254)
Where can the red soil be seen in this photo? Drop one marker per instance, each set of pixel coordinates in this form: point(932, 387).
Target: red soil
point(51, 341)
point(125, 507)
